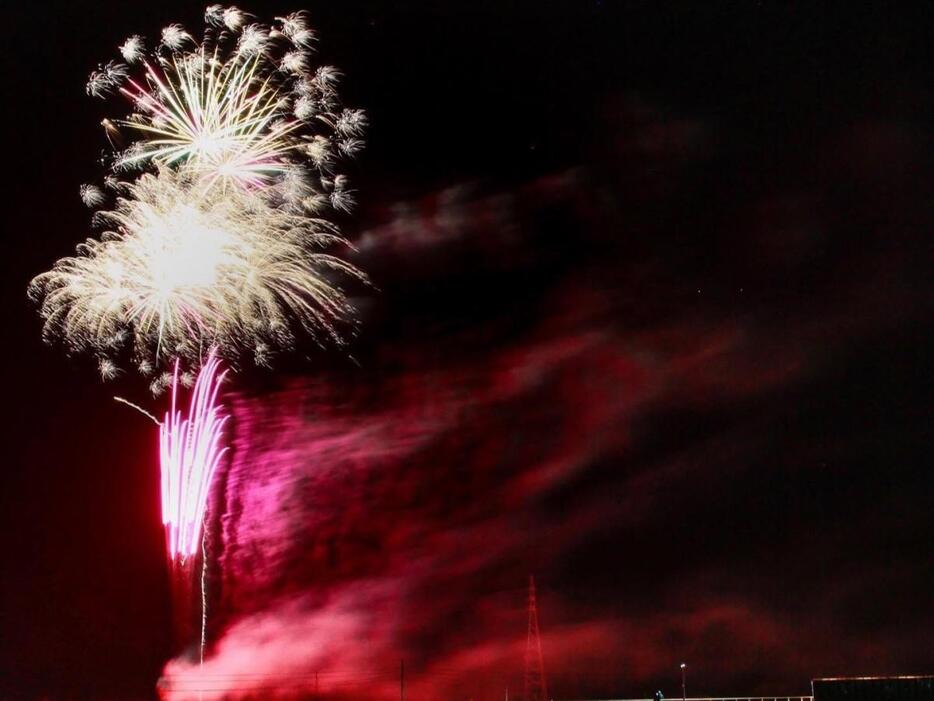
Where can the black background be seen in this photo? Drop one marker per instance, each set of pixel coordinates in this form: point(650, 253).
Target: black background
point(798, 98)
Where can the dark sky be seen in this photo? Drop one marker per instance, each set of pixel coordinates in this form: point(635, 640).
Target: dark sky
point(652, 323)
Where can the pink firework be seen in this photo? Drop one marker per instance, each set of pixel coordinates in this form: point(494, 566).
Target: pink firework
point(190, 451)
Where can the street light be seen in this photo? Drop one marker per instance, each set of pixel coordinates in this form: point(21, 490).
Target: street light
point(684, 693)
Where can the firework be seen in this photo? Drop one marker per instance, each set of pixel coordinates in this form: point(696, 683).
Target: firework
point(183, 266)
point(212, 228)
point(190, 452)
point(210, 232)
point(241, 107)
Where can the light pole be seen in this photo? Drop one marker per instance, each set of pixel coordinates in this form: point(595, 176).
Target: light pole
point(684, 693)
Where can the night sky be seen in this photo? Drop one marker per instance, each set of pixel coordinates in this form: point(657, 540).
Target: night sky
point(651, 321)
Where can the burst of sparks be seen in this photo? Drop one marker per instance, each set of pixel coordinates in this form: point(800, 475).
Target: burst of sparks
point(214, 15)
point(175, 37)
point(234, 18)
point(186, 266)
point(106, 79)
point(295, 62)
point(240, 108)
point(132, 49)
point(190, 449)
point(294, 24)
point(225, 166)
point(216, 120)
point(253, 40)
point(92, 195)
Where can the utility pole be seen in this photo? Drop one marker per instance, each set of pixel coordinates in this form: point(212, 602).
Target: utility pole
point(536, 689)
point(684, 693)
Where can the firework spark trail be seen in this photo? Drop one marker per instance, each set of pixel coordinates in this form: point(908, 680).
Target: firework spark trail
point(138, 408)
point(190, 452)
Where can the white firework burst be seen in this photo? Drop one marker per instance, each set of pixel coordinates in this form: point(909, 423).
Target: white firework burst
point(214, 15)
point(113, 183)
point(221, 173)
point(351, 122)
point(185, 268)
point(116, 72)
point(175, 37)
point(206, 118)
point(304, 38)
point(107, 368)
point(294, 23)
point(253, 39)
point(316, 203)
point(295, 62)
point(350, 147)
point(319, 150)
point(234, 18)
point(326, 77)
point(295, 28)
point(304, 108)
point(92, 196)
point(342, 198)
point(106, 79)
point(132, 49)
point(239, 110)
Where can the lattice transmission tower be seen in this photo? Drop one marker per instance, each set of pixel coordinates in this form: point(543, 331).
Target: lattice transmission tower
point(536, 688)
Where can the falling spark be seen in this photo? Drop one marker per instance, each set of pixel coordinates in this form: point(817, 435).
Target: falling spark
point(190, 452)
point(138, 408)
